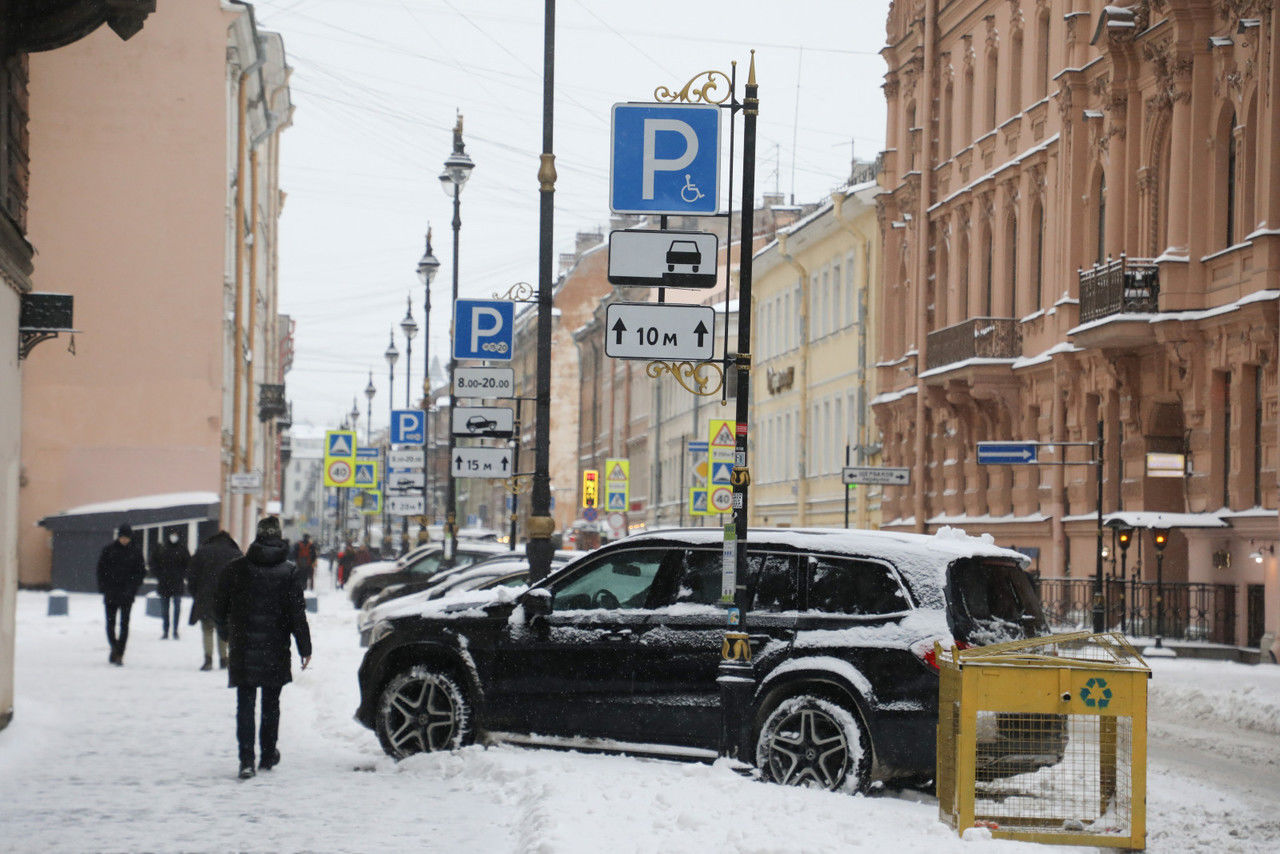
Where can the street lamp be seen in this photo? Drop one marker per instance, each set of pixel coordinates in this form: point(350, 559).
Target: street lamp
point(369, 392)
point(457, 169)
point(392, 355)
point(428, 266)
point(410, 328)
point(1161, 536)
point(1124, 536)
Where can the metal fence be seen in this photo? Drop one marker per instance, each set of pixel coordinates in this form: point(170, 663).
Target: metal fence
point(1192, 611)
point(977, 337)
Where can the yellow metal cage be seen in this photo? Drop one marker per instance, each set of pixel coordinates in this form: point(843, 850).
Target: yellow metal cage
point(1045, 740)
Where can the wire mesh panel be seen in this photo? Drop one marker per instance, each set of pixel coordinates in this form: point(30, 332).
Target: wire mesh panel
point(1045, 740)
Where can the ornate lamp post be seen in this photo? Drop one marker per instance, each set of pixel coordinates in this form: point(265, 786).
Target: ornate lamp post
point(1161, 537)
point(392, 355)
point(428, 266)
point(410, 328)
point(369, 392)
point(457, 169)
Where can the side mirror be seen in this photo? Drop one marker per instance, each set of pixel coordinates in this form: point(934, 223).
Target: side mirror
point(537, 604)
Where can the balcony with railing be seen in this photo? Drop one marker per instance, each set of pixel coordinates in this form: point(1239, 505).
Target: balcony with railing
point(975, 338)
point(1121, 286)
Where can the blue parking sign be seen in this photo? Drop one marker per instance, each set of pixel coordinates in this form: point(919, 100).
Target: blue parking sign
point(408, 427)
point(483, 329)
point(665, 159)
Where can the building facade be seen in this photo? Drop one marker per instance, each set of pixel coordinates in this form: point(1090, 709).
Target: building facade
point(177, 379)
point(812, 379)
point(1081, 232)
point(28, 27)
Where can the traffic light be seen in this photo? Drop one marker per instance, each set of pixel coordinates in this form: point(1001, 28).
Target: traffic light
point(1124, 537)
point(1161, 537)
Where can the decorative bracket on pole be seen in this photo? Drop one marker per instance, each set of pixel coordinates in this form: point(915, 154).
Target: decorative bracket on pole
point(519, 292)
point(683, 372)
point(701, 94)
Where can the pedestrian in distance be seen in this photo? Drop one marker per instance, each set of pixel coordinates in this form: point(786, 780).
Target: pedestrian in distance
point(260, 606)
point(346, 563)
point(169, 566)
point(121, 570)
point(304, 555)
point(207, 564)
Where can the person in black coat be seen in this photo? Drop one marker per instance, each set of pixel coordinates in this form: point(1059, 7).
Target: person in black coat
point(169, 566)
point(121, 571)
point(207, 564)
point(260, 605)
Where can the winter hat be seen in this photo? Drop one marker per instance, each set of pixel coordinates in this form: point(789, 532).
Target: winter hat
point(125, 530)
point(269, 528)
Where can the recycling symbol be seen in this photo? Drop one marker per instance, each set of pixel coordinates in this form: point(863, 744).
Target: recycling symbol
point(1096, 693)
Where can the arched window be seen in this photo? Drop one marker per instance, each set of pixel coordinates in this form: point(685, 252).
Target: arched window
point(1249, 168)
point(1042, 56)
point(912, 136)
point(1011, 244)
point(946, 144)
point(1015, 73)
point(988, 274)
point(1229, 182)
point(1037, 256)
point(1100, 193)
point(990, 83)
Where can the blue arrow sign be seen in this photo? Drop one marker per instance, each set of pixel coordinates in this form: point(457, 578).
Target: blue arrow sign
point(1007, 452)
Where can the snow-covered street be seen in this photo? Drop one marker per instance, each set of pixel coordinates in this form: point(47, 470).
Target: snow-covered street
point(142, 758)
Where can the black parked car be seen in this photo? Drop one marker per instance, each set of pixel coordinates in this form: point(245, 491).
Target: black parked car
point(623, 644)
point(418, 565)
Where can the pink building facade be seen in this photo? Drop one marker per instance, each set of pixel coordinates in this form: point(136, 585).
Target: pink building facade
point(1082, 227)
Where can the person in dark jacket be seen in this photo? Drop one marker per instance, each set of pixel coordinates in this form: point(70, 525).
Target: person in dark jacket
point(121, 571)
point(207, 564)
point(260, 605)
point(169, 566)
point(304, 555)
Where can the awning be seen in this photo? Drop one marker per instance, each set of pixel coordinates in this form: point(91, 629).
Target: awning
point(1154, 519)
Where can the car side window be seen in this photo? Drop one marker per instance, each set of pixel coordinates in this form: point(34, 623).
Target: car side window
point(773, 582)
point(618, 580)
point(700, 582)
point(861, 587)
point(427, 566)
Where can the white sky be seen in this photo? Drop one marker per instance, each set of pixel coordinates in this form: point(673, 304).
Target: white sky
point(376, 84)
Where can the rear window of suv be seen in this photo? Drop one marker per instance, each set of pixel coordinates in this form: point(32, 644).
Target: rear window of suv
point(993, 601)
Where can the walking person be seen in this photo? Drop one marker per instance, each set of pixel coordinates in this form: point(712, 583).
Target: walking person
point(260, 606)
point(346, 563)
point(214, 554)
point(169, 566)
point(304, 555)
point(121, 571)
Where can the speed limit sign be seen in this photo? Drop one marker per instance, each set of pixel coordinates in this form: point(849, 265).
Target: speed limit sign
point(721, 499)
point(339, 472)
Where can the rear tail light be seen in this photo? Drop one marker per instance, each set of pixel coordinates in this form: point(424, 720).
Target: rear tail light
point(925, 652)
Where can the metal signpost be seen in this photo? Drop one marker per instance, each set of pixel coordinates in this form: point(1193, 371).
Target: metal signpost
point(657, 259)
point(1027, 453)
point(662, 331)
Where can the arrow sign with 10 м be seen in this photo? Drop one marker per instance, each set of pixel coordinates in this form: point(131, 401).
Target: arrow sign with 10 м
point(1007, 452)
point(651, 330)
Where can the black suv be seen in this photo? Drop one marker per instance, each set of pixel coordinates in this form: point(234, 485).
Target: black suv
point(624, 644)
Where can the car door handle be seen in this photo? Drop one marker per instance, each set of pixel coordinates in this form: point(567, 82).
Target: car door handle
point(619, 635)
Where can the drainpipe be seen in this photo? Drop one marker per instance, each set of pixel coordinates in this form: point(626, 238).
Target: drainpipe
point(802, 437)
point(922, 259)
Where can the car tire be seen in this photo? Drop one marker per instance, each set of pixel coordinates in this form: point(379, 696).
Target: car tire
point(810, 740)
point(422, 710)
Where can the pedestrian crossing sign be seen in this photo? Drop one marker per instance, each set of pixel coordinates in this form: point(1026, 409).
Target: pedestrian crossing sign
point(617, 501)
point(366, 474)
point(698, 502)
point(369, 502)
point(340, 443)
point(617, 484)
point(722, 473)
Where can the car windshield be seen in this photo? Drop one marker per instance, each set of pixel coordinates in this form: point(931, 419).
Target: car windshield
point(993, 600)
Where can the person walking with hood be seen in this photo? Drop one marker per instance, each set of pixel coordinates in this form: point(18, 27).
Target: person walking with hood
point(207, 564)
point(169, 566)
point(121, 571)
point(260, 606)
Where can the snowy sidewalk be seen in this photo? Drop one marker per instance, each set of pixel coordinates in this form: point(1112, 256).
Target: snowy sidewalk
point(142, 758)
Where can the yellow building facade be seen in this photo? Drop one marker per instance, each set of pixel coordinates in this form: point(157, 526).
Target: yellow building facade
point(815, 304)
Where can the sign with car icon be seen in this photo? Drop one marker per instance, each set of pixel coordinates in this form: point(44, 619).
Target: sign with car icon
point(490, 422)
point(663, 259)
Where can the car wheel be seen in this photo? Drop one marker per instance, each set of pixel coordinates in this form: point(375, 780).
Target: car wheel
point(423, 710)
point(814, 742)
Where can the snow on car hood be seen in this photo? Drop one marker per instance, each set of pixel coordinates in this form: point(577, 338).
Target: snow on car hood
point(377, 567)
point(420, 604)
